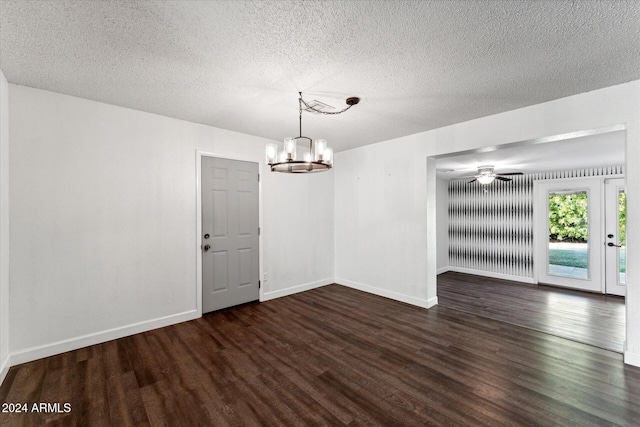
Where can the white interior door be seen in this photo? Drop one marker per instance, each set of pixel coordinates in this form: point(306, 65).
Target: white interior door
point(570, 255)
point(615, 241)
point(230, 252)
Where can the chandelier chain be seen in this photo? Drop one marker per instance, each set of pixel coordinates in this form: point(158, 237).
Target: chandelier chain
point(310, 107)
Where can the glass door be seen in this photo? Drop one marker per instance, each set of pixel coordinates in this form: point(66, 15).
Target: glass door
point(615, 236)
point(567, 233)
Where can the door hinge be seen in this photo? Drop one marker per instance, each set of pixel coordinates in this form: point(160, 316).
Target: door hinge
point(259, 284)
point(259, 231)
point(258, 177)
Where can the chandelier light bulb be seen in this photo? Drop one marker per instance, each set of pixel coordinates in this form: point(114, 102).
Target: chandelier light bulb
point(290, 148)
point(321, 146)
point(327, 157)
point(271, 153)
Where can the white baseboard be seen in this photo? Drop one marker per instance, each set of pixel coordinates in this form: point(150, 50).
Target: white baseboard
point(295, 289)
point(4, 368)
point(522, 279)
point(58, 347)
point(443, 270)
point(631, 358)
point(432, 302)
point(388, 294)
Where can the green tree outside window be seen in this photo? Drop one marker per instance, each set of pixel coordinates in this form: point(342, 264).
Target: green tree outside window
point(568, 217)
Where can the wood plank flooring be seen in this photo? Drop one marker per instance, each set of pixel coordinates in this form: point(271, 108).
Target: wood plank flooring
point(331, 356)
point(585, 317)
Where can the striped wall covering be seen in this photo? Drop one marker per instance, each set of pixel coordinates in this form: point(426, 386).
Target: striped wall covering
point(493, 231)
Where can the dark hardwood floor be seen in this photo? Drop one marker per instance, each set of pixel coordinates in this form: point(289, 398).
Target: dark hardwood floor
point(332, 356)
point(585, 317)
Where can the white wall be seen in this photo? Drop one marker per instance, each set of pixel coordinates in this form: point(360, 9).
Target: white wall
point(385, 194)
point(442, 218)
point(298, 232)
point(4, 226)
point(103, 221)
point(380, 213)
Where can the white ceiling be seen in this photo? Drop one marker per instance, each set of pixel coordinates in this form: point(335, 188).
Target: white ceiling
point(238, 65)
point(580, 152)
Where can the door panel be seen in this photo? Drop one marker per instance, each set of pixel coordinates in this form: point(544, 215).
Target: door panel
point(615, 241)
point(230, 261)
point(220, 274)
point(244, 266)
point(220, 207)
point(568, 233)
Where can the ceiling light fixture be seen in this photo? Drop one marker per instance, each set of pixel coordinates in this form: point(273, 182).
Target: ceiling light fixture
point(319, 158)
point(486, 179)
point(486, 175)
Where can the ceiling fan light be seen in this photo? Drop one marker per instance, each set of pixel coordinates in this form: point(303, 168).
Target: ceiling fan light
point(486, 179)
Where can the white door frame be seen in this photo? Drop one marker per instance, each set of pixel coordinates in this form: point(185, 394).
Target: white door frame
point(198, 248)
point(596, 225)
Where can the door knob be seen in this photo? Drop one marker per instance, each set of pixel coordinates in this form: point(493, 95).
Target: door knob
point(611, 244)
point(206, 247)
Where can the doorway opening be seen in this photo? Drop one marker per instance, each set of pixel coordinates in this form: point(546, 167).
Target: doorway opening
point(491, 228)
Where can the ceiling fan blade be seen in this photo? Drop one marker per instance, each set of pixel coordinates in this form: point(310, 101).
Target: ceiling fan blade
point(473, 180)
point(509, 173)
point(503, 179)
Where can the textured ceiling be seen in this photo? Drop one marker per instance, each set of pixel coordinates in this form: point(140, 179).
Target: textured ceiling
point(238, 65)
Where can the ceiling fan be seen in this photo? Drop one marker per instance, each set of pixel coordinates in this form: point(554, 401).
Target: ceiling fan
point(486, 175)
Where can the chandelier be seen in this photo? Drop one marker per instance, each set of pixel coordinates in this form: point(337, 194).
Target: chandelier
point(319, 156)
